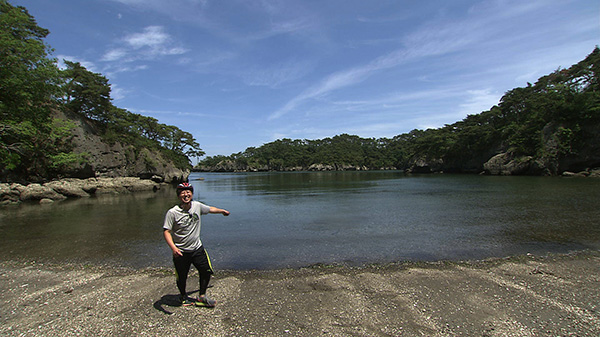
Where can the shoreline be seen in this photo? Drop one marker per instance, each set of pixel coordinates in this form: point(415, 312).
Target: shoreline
point(48, 192)
point(514, 296)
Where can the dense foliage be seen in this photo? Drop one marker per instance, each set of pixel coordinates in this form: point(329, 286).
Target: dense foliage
point(550, 120)
point(33, 142)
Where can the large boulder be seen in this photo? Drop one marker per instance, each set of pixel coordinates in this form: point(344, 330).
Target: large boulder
point(425, 165)
point(73, 188)
point(124, 185)
point(509, 164)
point(38, 192)
point(9, 194)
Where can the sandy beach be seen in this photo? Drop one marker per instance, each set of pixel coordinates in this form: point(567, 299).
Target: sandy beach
point(553, 295)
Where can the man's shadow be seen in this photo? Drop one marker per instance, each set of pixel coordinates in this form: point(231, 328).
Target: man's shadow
point(172, 301)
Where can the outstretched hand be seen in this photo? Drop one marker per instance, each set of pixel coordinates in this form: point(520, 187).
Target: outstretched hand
point(219, 210)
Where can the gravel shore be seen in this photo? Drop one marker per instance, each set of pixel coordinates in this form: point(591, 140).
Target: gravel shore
point(518, 296)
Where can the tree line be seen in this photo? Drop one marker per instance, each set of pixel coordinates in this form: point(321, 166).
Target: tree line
point(33, 142)
point(553, 119)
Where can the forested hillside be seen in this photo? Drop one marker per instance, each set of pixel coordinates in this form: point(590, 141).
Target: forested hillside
point(41, 107)
point(546, 128)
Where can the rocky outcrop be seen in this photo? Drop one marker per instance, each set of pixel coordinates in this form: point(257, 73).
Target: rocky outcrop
point(73, 188)
point(509, 164)
point(103, 159)
point(560, 156)
point(425, 165)
point(336, 167)
point(592, 173)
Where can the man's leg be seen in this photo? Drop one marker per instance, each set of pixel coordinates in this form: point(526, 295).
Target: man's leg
point(182, 268)
point(202, 262)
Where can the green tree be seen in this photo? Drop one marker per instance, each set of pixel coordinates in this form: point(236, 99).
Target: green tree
point(26, 72)
point(86, 92)
point(29, 86)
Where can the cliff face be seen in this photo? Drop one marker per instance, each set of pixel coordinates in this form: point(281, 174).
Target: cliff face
point(105, 160)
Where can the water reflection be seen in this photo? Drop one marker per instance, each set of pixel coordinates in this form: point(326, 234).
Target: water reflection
point(296, 219)
point(100, 229)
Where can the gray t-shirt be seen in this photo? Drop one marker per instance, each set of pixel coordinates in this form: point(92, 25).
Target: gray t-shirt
point(185, 226)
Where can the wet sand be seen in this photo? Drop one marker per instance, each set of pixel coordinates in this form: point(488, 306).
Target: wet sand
point(555, 295)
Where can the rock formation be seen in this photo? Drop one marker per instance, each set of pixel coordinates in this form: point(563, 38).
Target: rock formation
point(73, 188)
point(117, 159)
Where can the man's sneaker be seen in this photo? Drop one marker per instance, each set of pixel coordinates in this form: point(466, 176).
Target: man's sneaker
point(205, 302)
point(186, 302)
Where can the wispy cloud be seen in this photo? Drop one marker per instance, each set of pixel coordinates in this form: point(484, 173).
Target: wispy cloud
point(421, 44)
point(477, 101)
point(396, 100)
point(168, 112)
point(117, 93)
point(152, 36)
point(151, 43)
point(345, 78)
point(276, 75)
point(276, 28)
point(440, 36)
point(156, 4)
point(270, 18)
point(115, 55)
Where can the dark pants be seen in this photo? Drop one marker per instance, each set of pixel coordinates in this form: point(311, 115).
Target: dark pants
point(201, 261)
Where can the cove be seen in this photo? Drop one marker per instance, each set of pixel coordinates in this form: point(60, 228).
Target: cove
point(295, 219)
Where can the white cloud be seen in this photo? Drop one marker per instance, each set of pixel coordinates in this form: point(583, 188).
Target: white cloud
point(152, 36)
point(152, 42)
point(114, 55)
point(173, 51)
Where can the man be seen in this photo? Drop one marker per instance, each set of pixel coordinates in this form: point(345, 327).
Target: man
point(181, 230)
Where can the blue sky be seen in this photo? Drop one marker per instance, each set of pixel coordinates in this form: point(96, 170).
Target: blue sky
point(237, 74)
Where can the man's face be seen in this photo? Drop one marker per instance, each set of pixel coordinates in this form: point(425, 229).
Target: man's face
point(185, 196)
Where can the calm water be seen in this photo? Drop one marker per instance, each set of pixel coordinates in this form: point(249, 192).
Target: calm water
point(299, 219)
